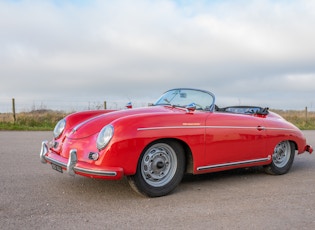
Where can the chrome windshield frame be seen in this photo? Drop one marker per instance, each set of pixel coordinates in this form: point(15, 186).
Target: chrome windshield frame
point(211, 106)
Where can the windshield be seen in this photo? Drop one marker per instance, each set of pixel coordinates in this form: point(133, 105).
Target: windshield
point(182, 97)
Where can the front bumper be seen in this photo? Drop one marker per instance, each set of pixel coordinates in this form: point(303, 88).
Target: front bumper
point(73, 166)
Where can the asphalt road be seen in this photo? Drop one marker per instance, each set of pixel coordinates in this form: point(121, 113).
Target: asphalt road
point(33, 196)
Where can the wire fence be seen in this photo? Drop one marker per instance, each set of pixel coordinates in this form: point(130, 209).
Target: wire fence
point(11, 109)
point(21, 105)
point(16, 105)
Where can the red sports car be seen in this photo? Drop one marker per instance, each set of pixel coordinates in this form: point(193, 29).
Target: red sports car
point(183, 132)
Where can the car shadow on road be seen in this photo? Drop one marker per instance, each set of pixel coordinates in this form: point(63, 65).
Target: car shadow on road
point(85, 188)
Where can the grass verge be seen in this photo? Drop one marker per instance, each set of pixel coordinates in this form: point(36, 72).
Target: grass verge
point(41, 120)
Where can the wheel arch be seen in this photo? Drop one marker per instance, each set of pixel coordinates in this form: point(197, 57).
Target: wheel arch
point(295, 144)
point(189, 163)
point(282, 158)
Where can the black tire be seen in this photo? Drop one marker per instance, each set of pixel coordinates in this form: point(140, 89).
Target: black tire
point(160, 169)
point(282, 158)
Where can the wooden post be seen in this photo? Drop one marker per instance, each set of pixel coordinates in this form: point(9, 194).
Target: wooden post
point(306, 114)
point(13, 110)
point(105, 105)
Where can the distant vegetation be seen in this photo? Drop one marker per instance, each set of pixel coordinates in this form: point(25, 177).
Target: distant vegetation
point(47, 119)
point(34, 120)
point(302, 119)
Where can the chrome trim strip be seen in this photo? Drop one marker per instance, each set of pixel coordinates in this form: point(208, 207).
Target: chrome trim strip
point(173, 127)
point(212, 127)
point(78, 126)
point(196, 127)
point(270, 128)
point(95, 172)
point(234, 163)
point(230, 127)
point(59, 163)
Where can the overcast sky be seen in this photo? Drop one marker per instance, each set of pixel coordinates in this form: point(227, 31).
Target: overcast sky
point(246, 52)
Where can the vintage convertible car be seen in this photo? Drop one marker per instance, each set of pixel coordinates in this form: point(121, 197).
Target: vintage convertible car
point(183, 132)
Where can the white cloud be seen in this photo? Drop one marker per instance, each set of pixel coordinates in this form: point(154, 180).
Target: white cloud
point(249, 51)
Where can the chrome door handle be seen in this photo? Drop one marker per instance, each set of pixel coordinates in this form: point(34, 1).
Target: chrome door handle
point(260, 128)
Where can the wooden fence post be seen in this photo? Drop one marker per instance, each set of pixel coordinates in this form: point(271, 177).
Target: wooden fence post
point(105, 106)
point(306, 114)
point(13, 110)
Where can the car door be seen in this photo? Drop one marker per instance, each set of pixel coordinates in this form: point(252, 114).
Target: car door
point(233, 139)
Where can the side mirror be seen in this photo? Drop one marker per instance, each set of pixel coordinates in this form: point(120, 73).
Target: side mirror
point(129, 105)
point(190, 108)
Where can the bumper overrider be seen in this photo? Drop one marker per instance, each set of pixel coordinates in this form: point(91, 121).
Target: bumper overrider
point(73, 166)
point(308, 148)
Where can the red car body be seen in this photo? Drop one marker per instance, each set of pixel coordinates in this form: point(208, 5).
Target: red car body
point(209, 139)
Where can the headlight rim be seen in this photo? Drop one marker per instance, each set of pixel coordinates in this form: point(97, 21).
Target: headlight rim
point(104, 137)
point(59, 128)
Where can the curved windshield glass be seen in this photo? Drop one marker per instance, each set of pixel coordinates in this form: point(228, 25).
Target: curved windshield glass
point(182, 97)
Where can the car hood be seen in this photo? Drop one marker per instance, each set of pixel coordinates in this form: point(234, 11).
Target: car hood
point(94, 125)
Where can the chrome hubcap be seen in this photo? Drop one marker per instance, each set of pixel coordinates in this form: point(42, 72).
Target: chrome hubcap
point(281, 154)
point(159, 165)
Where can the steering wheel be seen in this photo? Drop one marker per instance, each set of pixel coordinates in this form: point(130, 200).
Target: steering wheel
point(198, 107)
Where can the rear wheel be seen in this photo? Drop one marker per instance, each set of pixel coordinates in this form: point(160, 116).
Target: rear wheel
point(282, 158)
point(160, 169)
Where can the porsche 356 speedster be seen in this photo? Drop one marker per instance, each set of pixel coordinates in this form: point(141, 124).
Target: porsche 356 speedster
point(183, 132)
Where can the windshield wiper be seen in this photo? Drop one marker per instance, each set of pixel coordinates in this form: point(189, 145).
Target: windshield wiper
point(168, 102)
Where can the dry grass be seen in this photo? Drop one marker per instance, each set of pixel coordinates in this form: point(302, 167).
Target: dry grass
point(47, 119)
point(35, 120)
point(300, 118)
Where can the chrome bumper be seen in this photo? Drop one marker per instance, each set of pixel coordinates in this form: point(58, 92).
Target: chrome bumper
point(308, 148)
point(43, 152)
point(71, 167)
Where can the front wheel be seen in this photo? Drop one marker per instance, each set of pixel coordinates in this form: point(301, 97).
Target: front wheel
point(282, 158)
point(160, 169)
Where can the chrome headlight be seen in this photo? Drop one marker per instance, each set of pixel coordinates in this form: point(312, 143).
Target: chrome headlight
point(104, 136)
point(59, 128)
